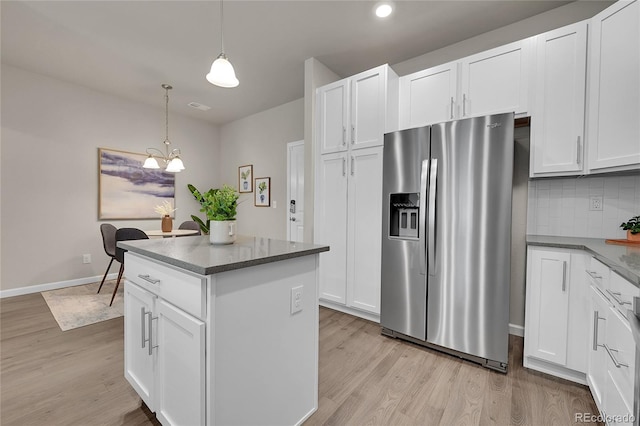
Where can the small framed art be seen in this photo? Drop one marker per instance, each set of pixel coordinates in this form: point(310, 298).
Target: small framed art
point(245, 178)
point(263, 192)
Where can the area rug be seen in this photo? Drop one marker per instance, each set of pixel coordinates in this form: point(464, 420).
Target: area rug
point(77, 306)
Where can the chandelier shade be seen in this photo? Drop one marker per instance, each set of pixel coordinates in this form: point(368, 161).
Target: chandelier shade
point(222, 73)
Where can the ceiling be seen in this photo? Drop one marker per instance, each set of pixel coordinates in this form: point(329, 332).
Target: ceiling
point(129, 48)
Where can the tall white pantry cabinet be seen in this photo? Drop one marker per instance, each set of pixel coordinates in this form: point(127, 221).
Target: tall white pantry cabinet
point(352, 116)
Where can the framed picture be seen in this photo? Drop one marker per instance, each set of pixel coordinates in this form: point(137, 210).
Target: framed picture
point(263, 192)
point(126, 190)
point(245, 178)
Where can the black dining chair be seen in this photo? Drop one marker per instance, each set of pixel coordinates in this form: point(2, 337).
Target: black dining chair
point(125, 234)
point(108, 232)
point(190, 224)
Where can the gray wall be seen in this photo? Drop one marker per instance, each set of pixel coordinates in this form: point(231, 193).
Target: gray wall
point(261, 140)
point(51, 132)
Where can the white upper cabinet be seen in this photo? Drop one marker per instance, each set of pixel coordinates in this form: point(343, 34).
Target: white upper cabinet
point(429, 96)
point(352, 113)
point(333, 116)
point(496, 80)
point(557, 130)
point(614, 88)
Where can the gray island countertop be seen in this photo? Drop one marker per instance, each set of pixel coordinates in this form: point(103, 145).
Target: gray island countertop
point(197, 254)
point(623, 259)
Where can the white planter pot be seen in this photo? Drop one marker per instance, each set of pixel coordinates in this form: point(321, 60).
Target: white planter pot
point(222, 231)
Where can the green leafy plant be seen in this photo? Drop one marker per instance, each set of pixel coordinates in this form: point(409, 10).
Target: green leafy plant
point(220, 204)
point(204, 224)
point(632, 225)
point(244, 175)
point(262, 187)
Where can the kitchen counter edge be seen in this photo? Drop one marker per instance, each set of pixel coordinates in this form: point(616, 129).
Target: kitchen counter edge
point(608, 254)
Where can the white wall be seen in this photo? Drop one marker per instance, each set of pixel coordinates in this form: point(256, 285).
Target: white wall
point(561, 206)
point(51, 132)
point(261, 140)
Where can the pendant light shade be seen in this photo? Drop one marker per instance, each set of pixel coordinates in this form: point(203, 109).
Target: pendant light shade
point(171, 157)
point(222, 73)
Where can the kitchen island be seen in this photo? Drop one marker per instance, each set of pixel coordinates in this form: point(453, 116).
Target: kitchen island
point(223, 334)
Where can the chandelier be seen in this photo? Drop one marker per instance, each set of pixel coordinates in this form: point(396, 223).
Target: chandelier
point(222, 73)
point(171, 157)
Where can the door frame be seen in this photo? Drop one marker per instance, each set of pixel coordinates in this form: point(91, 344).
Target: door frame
point(290, 145)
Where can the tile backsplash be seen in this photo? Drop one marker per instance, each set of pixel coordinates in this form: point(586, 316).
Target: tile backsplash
point(560, 207)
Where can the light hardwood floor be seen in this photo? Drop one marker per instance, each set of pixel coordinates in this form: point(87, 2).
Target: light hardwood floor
point(76, 378)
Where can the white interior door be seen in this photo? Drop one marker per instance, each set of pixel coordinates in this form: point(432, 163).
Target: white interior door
point(295, 191)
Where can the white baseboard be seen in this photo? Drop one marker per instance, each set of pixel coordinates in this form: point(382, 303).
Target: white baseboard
point(53, 286)
point(516, 330)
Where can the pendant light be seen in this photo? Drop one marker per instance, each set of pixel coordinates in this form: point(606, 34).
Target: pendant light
point(171, 157)
point(222, 73)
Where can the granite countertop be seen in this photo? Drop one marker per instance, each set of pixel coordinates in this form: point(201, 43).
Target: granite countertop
point(623, 259)
point(197, 254)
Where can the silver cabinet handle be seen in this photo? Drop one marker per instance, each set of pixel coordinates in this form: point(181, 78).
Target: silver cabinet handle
point(616, 296)
point(596, 318)
point(578, 149)
point(353, 135)
point(142, 315)
point(464, 104)
point(344, 136)
point(452, 107)
point(148, 278)
point(423, 214)
point(150, 323)
point(610, 351)
point(433, 187)
point(344, 166)
point(594, 275)
point(564, 276)
point(352, 166)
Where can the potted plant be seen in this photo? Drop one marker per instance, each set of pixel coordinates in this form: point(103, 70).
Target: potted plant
point(261, 188)
point(204, 224)
point(244, 175)
point(164, 210)
point(220, 207)
point(632, 226)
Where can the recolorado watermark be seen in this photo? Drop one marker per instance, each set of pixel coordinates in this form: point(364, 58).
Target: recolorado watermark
point(604, 418)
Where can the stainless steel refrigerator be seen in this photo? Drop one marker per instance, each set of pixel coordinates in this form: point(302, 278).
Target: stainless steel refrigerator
point(446, 237)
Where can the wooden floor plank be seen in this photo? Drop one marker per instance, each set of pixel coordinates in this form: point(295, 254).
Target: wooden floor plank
point(76, 378)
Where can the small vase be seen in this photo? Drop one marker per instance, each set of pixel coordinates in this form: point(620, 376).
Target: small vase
point(167, 223)
point(633, 237)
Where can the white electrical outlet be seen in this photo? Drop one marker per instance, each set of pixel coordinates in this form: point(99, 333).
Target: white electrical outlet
point(296, 299)
point(86, 258)
point(595, 203)
point(275, 204)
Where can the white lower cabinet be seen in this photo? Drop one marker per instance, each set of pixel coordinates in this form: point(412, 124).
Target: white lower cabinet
point(597, 365)
point(556, 313)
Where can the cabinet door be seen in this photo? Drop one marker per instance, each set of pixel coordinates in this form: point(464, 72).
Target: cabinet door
point(181, 367)
point(619, 413)
point(597, 357)
point(428, 96)
point(332, 126)
point(331, 225)
point(368, 106)
point(138, 361)
point(365, 223)
point(547, 305)
point(496, 81)
point(557, 131)
point(614, 104)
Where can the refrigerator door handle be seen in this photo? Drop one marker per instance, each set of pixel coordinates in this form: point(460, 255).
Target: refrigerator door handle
point(423, 216)
point(433, 185)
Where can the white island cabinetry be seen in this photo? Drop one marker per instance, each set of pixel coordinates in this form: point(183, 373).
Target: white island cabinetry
point(212, 330)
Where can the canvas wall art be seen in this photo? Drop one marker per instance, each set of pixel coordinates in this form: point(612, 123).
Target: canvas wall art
point(263, 192)
point(245, 178)
point(126, 190)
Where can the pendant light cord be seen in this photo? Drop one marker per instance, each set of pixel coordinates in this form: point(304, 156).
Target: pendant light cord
point(166, 116)
point(221, 27)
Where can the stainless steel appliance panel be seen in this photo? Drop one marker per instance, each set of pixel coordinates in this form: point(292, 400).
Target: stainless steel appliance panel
point(469, 235)
point(403, 286)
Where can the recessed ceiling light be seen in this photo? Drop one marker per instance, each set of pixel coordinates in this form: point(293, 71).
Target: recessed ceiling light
point(383, 10)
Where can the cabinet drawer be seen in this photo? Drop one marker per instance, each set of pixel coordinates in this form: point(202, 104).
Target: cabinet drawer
point(177, 287)
point(598, 274)
point(621, 358)
point(622, 293)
